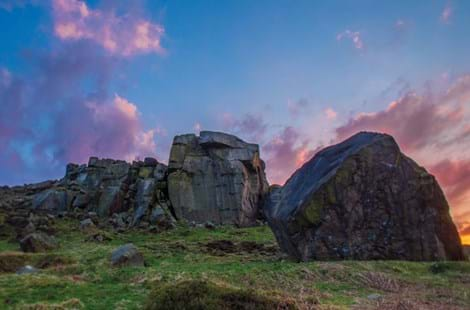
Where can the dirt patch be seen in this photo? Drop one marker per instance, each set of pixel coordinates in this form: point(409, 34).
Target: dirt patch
point(224, 247)
point(11, 261)
point(195, 294)
point(73, 303)
point(49, 261)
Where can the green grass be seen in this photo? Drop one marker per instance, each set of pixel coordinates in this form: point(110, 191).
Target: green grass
point(85, 275)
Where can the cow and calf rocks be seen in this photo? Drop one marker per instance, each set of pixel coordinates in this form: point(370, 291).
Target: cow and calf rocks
point(360, 199)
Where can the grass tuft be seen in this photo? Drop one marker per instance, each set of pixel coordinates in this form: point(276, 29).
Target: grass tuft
point(197, 294)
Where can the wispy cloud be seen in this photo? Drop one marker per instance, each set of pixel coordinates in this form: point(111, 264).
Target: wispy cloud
point(354, 36)
point(285, 152)
point(123, 35)
point(446, 14)
point(297, 107)
point(330, 114)
point(250, 126)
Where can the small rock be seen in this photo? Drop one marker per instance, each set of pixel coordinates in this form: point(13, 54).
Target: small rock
point(374, 296)
point(209, 225)
point(127, 255)
point(150, 161)
point(27, 270)
point(38, 242)
point(87, 225)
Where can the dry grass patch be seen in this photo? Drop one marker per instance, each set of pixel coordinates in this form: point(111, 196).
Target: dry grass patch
point(379, 281)
point(71, 304)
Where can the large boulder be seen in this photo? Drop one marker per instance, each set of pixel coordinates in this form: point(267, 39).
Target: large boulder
point(216, 177)
point(363, 199)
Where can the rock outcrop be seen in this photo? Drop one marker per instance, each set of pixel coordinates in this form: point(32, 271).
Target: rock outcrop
point(216, 177)
point(363, 199)
point(123, 194)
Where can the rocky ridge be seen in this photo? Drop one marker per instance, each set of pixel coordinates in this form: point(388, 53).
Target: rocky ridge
point(360, 199)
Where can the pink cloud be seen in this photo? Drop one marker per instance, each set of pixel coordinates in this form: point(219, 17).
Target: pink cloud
point(454, 176)
point(285, 153)
point(446, 14)
point(330, 114)
point(354, 36)
point(251, 127)
point(400, 24)
point(415, 121)
point(123, 35)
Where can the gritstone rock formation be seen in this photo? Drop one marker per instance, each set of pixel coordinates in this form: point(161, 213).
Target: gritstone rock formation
point(213, 179)
point(363, 199)
point(126, 195)
point(216, 177)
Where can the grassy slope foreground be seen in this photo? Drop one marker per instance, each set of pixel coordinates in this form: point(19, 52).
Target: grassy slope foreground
point(79, 276)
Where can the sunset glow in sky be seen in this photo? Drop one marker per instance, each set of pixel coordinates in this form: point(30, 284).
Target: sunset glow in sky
point(120, 78)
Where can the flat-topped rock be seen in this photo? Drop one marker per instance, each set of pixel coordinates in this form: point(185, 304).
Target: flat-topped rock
point(363, 199)
point(216, 177)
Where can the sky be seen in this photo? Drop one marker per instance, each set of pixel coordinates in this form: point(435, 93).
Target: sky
point(119, 79)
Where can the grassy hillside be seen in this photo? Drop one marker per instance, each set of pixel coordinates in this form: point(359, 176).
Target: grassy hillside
point(237, 262)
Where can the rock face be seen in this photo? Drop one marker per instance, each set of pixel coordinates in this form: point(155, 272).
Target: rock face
point(109, 187)
point(363, 199)
point(216, 177)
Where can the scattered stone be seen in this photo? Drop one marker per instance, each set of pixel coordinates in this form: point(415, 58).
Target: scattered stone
point(87, 225)
point(97, 236)
point(27, 270)
point(363, 199)
point(374, 297)
point(209, 225)
point(127, 255)
point(38, 242)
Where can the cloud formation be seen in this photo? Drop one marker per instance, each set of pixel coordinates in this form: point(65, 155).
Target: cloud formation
point(48, 119)
point(285, 153)
point(446, 14)
point(354, 36)
point(251, 127)
point(330, 114)
point(297, 107)
point(123, 35)
point(415, 121)
point(454, 175)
